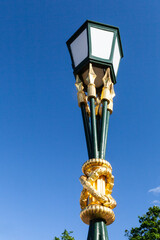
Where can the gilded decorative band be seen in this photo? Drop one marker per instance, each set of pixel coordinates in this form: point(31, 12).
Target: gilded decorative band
point(96, 200)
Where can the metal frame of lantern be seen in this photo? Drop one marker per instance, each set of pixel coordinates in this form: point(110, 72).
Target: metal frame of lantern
point(96, 105)
point(90, 57)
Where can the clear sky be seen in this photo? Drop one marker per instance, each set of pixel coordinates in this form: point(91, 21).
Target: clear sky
point(42, 143)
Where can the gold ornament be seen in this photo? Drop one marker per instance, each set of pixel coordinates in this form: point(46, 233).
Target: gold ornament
point(91, 89)
point(96, 200)
point(108, 90)
point(91, 75)
point(80, 93)
point(112, 95)
point(98, 106)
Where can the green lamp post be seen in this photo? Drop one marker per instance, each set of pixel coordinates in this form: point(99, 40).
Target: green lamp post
point(96, 51)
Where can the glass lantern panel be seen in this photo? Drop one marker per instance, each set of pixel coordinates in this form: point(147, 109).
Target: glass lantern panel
point(101, 43)
point(116, 57)
point(79, 48)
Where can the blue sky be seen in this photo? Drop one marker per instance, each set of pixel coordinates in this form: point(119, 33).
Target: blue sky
point(42, 143)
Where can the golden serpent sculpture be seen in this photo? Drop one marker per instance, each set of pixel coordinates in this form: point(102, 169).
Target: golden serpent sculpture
point(96, 200)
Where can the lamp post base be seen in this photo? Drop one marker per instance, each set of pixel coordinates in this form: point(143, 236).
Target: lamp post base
point(97, 230)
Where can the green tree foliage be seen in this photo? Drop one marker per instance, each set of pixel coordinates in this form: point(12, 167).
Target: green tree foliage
point(65, 236)
point(149, 228)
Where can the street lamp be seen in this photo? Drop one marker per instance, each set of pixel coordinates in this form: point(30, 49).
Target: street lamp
point(96, 51)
